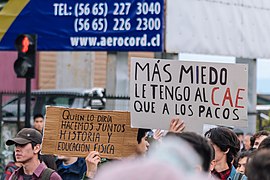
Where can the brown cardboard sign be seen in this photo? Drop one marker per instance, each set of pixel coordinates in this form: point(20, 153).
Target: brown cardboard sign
point(76, 132)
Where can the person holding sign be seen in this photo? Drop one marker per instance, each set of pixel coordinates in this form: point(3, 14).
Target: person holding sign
point(27, 147)
point(176, 126)
point(93, 157)
point(70, 167)
point(92, 160)
point(142, 139)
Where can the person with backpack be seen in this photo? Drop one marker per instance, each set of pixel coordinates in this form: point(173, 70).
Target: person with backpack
point(27, 148)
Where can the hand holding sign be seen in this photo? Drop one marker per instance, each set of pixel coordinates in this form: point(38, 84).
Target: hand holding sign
point(158, 134)
point(92, 160)
point(176, 125)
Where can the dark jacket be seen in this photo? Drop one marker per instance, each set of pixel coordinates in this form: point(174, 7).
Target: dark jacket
point(49, 160)
point(73, 171)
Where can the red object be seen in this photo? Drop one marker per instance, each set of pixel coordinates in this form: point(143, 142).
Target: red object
point(25, 44)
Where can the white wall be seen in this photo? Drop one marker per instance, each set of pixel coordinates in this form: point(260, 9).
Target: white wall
point(74, 70)
point(237, 28)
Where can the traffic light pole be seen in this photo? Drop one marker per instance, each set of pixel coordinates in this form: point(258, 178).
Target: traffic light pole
point(24, 67)
point(28, 103)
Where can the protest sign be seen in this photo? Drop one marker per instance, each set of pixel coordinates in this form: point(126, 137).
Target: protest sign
point(76, 132)
point(199, 92)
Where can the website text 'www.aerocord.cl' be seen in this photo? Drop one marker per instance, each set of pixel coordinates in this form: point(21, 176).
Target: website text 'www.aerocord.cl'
point(127, 41)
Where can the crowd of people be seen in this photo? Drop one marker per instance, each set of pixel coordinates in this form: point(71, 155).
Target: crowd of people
point(221, 153)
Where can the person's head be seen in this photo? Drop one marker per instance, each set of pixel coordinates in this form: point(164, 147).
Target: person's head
point(200, 145)
point(39, 122)
point(241, 161)
point(265, 144)
point(27, 145)
point(258, 166)
point(247, 142)
point(239, 133)
point(142, 139)
point(225, 143)
point(259, 137)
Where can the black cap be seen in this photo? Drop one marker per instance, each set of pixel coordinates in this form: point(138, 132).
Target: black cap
point(25, 136)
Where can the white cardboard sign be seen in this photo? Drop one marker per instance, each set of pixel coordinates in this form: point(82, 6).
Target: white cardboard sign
point(198, 92)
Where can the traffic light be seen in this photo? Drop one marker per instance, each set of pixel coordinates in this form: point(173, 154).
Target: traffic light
point(26, 46)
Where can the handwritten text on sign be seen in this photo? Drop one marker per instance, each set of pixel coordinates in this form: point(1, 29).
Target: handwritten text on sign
point(212, 93)
point(76, 132)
